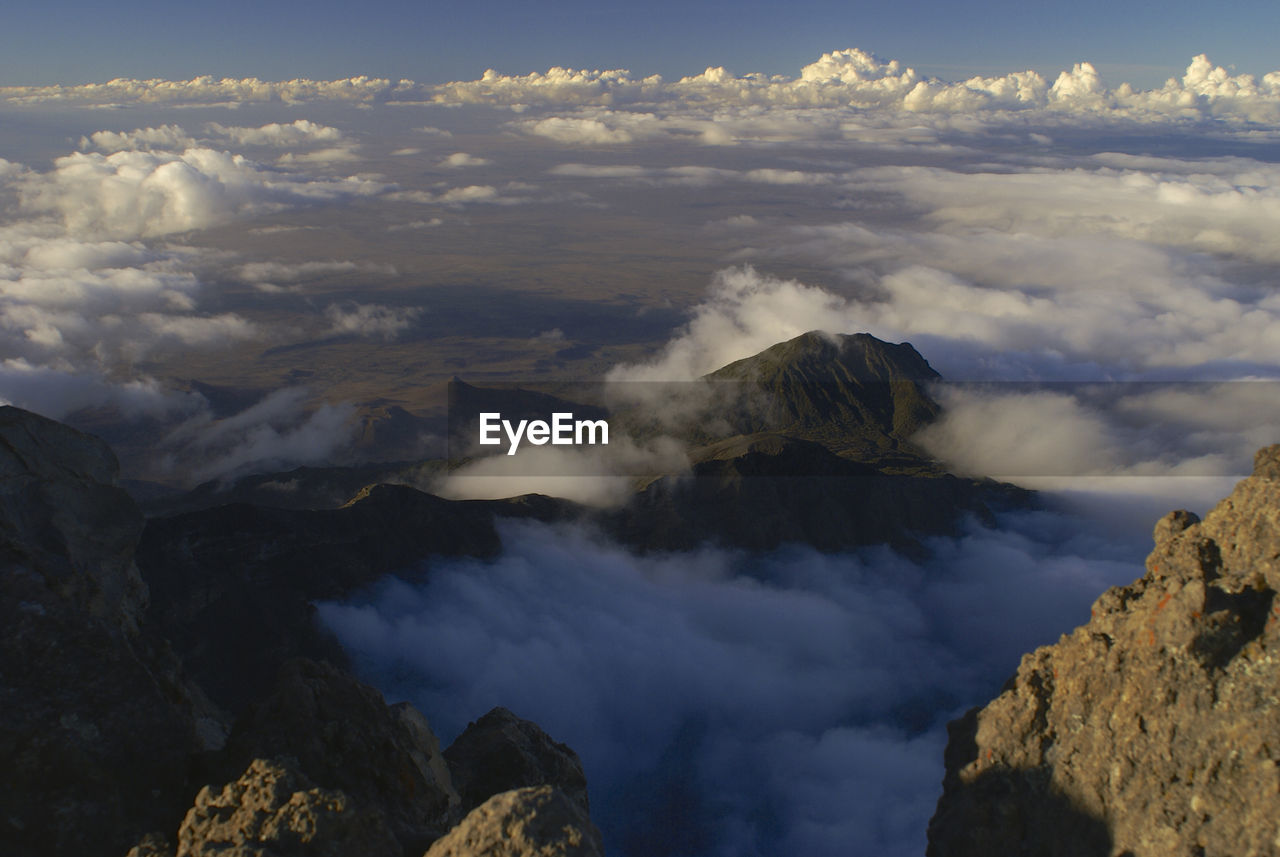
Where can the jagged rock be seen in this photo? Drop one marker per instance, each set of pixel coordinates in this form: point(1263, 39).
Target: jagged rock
point(1155, 728)
point(152, 845)
point(500, 752)
point(274, 811)
point(62, 515)
point(96, 722)
point(530, 822)
point(342, 735)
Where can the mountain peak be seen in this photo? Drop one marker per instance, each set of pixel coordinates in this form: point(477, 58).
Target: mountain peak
point(858, 395)
point(853, 356)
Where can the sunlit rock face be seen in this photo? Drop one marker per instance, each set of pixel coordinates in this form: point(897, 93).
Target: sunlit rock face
point(1152, 729)
point(529, 822)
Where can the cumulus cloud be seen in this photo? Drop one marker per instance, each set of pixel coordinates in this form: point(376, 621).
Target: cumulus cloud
point(578, 131)
point(779, 687)
point(743, 314)
point(857, 79)
point(371, 320)
point(1027, 432)
point(132, 194)
point(208, 90)
point(296, 133)
point(86, 292)
point(269, 276)
point(462, 159)
point(162, 137)
point(91, 306)
point(842, 79)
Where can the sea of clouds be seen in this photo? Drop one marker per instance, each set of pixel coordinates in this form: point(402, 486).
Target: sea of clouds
point(1093, 268)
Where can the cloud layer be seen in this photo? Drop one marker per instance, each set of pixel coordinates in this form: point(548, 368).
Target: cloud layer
point(850, 78)
point(786, 704)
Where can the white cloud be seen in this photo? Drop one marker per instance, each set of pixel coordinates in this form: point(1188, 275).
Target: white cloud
point(691, 176)
point(466, 195)
point(743, 314)
point(319, 157)
point(841, 80)
point(372, 320)
point(146, 139)
point(196, 331)
point(470, 193)
point(289, 276)
point(212, 91)
point(1230, 207)
point(575, 131)
point(1028, 432)
point(128, 195)
point(753, 686)
point(462, 159)
point(856, 79)
point(592, 475)
point(86, 306)
point(1083, 330)
point(416, 224)
point(296, 133)
point(278, 432)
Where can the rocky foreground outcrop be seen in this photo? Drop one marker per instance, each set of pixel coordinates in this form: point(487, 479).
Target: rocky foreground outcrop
point(272, 810)
point(1151, 731)
point(538, 821)
point(108, 745)
point(96, 720)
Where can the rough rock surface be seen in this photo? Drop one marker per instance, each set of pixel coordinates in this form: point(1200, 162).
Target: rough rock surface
point(342, 735)
point(500, 752)
point(274, 811)
point(538, 821)
point(96, 722)
point(1152, 731)
point(62, 515)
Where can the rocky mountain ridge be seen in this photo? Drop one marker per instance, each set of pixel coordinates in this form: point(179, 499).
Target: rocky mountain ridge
point(106, 739)
point(1155, 728)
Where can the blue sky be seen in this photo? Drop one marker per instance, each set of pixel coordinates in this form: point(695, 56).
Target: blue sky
point(1143, 42)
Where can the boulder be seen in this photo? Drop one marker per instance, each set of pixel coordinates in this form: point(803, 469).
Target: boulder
point(342, 735)
point(500, 752)
point(274, 811)
point(538, 821)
